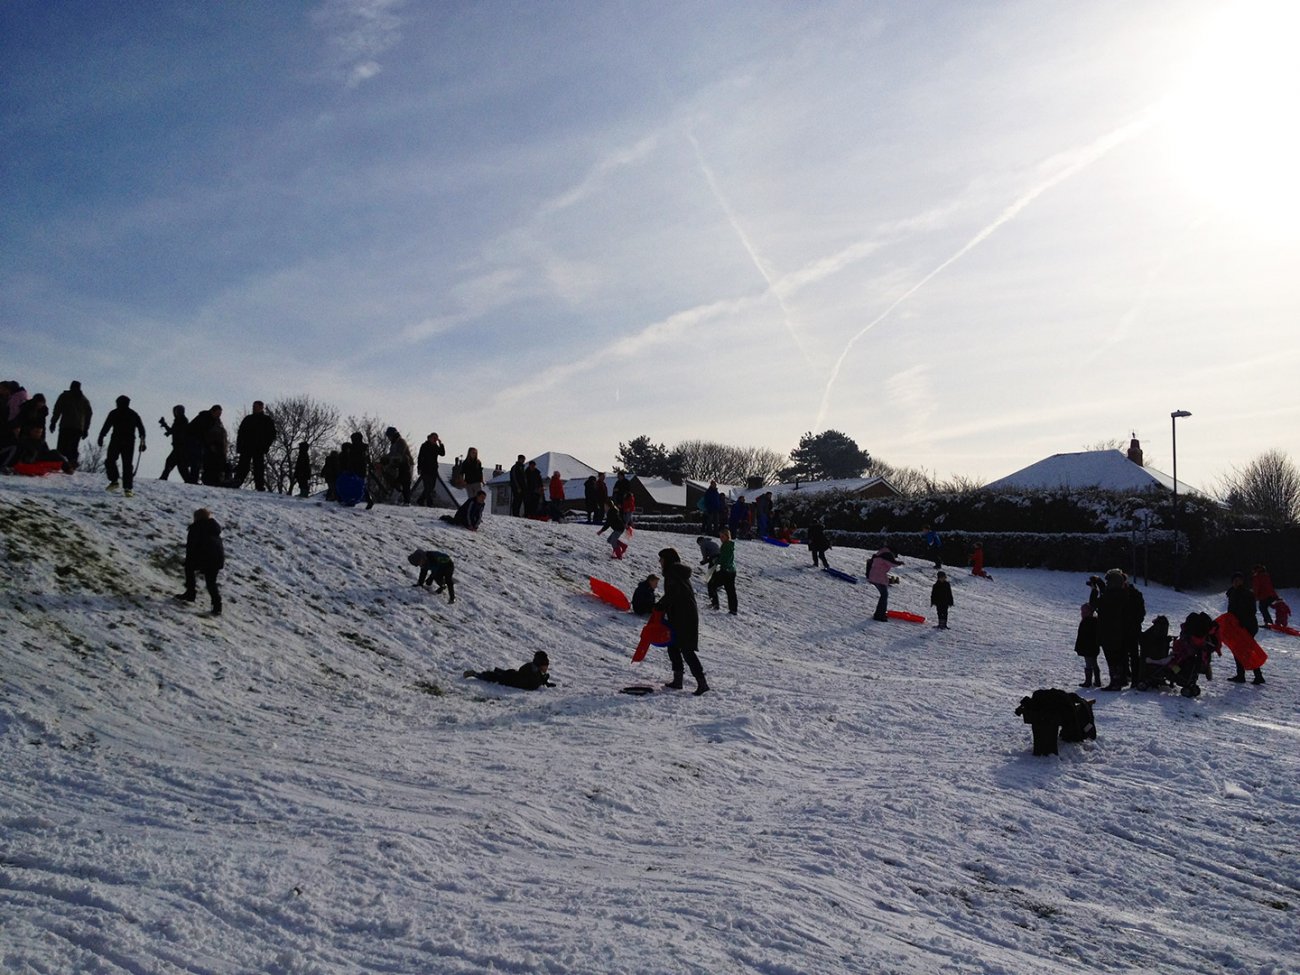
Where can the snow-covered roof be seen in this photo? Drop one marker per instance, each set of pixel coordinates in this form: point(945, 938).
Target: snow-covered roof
point(852, 484)
point(570, 468)
point(1108, 470)
point(664, 491)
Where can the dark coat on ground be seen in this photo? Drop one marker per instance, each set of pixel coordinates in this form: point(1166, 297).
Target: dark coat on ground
point(527, 678)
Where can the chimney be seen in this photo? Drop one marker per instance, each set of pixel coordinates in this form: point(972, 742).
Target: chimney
point(1135, 451)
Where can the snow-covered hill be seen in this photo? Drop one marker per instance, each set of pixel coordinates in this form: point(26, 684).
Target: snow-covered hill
point(307, 784)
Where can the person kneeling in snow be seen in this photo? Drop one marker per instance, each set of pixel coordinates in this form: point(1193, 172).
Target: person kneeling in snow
point(469, 514)
point(435, 567)
point(529, 677)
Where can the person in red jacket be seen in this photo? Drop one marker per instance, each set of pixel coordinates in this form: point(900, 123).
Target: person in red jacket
point(557, 496)
point(1265, 595)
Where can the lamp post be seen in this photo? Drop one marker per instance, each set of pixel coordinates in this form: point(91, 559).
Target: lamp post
point(1174, 417)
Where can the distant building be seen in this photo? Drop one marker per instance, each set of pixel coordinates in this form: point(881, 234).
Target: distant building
point(573, 471)
point(860, 487)
point(1107, 470)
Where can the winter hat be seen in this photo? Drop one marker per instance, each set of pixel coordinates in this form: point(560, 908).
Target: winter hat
point(540, 659)
point(391, 433)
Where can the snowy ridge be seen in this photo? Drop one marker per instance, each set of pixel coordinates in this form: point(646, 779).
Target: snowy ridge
point(307, 785)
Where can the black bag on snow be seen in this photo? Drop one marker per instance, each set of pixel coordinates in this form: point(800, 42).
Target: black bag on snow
point(1053, 713)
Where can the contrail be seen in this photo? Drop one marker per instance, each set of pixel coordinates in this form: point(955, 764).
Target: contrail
point(1082, 158)
point(772, 284)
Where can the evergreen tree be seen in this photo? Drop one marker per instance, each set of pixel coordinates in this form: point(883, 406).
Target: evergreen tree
point(640, 456)
point(826, 456)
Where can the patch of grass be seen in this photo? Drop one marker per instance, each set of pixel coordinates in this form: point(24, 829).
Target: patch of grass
point(428, 687)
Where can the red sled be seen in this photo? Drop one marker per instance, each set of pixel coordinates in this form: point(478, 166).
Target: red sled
point(607, 593)
point(1250, 655)
point(1278, 628)
point(38, 468)
point(655, 632)
point(898, 614)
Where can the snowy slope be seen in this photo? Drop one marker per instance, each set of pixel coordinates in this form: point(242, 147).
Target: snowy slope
point(307, 785)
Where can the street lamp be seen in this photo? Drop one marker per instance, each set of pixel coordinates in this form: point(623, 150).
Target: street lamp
point(1174, 417)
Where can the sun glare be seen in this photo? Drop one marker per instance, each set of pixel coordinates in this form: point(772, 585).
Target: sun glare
point(1236, 116)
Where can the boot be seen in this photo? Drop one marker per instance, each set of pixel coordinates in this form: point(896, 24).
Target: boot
point(1259, 677)
point(187, 597)
point(675, 684)
point(1239, 677)
point(701, 687)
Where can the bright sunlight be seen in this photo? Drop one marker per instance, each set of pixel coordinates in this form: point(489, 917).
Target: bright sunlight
point(1235, 117)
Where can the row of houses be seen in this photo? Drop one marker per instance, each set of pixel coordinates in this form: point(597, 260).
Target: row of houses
point(1106, 469)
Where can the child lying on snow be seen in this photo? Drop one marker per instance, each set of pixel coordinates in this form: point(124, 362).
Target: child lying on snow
point(529, 677)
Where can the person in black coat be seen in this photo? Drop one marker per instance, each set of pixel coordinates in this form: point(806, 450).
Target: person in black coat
point(302, 470)
point(210, 439)
point(426, 463)
point(203, 553)
point(124, 423)
point(1241, 604)
point(534, 485)
point(518, 486)
point(1086, 645)
point(73, 409)
point(941, 598)
point(683, 617)
point(529, 677)
point(643, 598)
point(183, 457)
point(1120, 612)
point(254, 439)
point(591, 499)
point(818, 544)
point(469, 514)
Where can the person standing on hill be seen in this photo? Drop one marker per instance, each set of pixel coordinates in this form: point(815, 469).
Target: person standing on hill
point(73, 410)
point(302, 469)
point(556, 488)
point(397, 463)
point(210, 437)
point(818, 544)
point(941, 598)
point(534, 486)
point(878, 568)
point(124, 423)
point(683, 618)
point(614, 522)
point(589, 502)
point(427, 465)
point(518, 486)
point(181, 457)
point(204, 553)
point(253, 441)
point(1120, 612)
point(1241, 604)
point(1261, 583)
point(471, 469)
point(933, 546)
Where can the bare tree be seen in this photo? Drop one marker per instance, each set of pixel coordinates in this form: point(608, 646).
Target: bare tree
point(1268, 487)
point(91, 457)
point(705, 460)
point(299, 420)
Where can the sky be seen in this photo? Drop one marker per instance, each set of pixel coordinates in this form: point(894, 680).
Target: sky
point(967, 235)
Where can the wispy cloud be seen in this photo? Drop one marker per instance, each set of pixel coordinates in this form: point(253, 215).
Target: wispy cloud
point(359, 33)
point(1060, 169)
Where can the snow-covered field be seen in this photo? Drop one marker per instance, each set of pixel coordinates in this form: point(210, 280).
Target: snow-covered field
point(308, 785)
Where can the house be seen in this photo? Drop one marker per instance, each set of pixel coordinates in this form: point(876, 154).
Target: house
point(861, 487)
point(1107, 470)
point(574, 472)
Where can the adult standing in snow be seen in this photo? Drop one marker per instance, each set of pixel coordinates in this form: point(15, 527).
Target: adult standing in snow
point(397, 463)
point(204, 553)
point(818, 544)
point(302, 469)
point(534, 484)
point(253, 440)
point(124, 423)
point(763, 514)
point(711, 507)
point(1120, 612)
point(739, 520)
point(878, 568)
point(557, 496)
point(427, 465)
point(182, 456)
point(210, 436)
point(590, 503)
point(471, 468)
point(1241, 604)
point(73, 410)
point(518, 486)
point(682, 616)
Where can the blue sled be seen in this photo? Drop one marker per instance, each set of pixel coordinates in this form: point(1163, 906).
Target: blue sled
point(842, 575)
